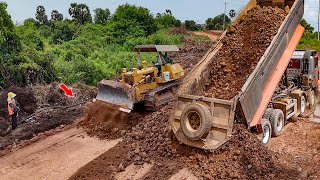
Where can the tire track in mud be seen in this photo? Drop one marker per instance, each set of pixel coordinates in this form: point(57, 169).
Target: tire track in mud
point(56, 157)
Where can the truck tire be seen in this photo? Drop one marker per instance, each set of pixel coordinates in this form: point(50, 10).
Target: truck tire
point(311, 100)
point(303, 105)
point(277, 122)
point(266, 130)
point(267, 113)
point(195, 121)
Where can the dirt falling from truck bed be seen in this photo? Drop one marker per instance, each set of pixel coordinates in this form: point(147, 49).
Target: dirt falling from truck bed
point(105, 121)
point(242, 48)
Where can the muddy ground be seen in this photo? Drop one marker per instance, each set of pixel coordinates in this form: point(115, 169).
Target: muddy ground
point(42, 108)
point(242, 48)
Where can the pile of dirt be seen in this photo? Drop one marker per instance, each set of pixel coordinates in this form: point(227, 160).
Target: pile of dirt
point(242, 158)
point(179, 30)
point(151, 141)
point(147, 142)
point(150, 138)
point(242, 48)
point(104, 120)
point(192, 52)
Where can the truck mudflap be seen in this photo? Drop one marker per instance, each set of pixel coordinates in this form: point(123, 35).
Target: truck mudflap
point(217, 131)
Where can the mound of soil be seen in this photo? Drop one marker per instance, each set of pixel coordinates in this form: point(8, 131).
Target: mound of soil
point(191, 53)
point(151, 141)
point(242, 49)
point(242, 158)
point(104, 120)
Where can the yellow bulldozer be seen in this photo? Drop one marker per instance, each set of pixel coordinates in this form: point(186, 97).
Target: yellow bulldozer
point(152, 85)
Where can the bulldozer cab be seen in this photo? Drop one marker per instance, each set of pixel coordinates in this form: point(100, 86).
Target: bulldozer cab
point(160, 49)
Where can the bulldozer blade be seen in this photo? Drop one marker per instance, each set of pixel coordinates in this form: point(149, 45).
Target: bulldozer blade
point(117, 93)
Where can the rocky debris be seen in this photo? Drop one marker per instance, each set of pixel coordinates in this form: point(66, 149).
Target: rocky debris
point(242, 48)
point(242, 158)
point(192, 52)
point(150, 140)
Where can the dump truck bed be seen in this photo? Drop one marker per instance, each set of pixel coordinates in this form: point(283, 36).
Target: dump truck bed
point(255, 94)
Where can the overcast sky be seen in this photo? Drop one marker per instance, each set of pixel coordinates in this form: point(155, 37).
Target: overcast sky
point(198, 10)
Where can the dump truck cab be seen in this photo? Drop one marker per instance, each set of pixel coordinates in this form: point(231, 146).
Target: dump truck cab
point(303, 68)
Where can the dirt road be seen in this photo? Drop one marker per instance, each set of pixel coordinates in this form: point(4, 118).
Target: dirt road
point(299, 147)
point(56, 157)
point(213, 35)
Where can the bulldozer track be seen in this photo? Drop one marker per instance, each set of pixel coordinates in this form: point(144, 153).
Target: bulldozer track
point(152, 101)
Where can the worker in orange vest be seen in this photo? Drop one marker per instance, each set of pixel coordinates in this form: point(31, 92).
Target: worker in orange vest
point(13, 109)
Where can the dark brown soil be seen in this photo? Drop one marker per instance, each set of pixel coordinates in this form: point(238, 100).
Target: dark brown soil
point(192, 52)
point(106, 121)
point(242, 158)
point(39, 113)
point(299, 147)
point(242, 48)
point(152, 141)
point(42, 122)
point(149, 141)
point(105, 166)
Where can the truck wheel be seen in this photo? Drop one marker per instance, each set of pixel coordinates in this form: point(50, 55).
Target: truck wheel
point(195, 121)
point(266, 129)
point(277, 122)
point(312, 100)
point(267, 113)
point(303, 105)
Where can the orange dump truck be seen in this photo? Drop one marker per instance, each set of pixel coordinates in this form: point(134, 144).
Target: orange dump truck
point(281, 87)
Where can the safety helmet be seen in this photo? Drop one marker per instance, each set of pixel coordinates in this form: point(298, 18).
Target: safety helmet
point(11, 95)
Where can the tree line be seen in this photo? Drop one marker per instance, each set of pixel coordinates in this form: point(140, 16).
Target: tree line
point(86, 47)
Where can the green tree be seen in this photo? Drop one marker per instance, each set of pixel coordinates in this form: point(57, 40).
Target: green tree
point(9, 40)
point(191, 25)
point(166, 20)
point(41, 15)
point(80, 13)
point(217, 22)
point(56, 16)
point(63, 31)
point(102, 16)
point(307, 26)
point(139, 16)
